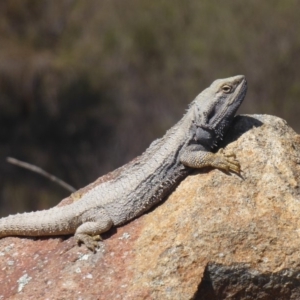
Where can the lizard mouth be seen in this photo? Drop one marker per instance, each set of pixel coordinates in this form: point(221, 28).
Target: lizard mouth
point(222, 117)
point(235, 100)
point(240, 90)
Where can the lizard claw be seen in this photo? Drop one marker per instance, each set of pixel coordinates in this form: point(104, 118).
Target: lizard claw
point(227, 161)
point(91, 242)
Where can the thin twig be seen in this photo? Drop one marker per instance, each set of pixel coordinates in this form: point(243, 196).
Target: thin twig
point(40, 171)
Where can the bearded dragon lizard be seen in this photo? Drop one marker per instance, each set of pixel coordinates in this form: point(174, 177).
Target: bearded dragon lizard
point(148, 179)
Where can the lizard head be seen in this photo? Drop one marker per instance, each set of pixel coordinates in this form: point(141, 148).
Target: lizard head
point(216, 107)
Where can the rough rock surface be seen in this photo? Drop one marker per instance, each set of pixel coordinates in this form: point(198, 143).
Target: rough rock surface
point(218, 236)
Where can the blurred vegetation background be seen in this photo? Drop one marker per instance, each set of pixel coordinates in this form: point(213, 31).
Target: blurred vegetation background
point(85, 86)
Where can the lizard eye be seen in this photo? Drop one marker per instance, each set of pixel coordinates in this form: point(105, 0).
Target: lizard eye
point(226, 88)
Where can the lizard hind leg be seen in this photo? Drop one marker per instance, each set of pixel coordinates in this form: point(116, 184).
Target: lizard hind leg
point(89, 231)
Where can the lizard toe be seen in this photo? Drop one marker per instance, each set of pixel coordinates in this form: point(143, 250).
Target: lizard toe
point(89, 241)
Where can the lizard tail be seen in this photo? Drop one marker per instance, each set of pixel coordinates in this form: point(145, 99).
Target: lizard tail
point(54, 221)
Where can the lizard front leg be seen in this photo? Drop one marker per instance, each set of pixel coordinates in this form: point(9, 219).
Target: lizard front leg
point(89, 231)
point(200, 158)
